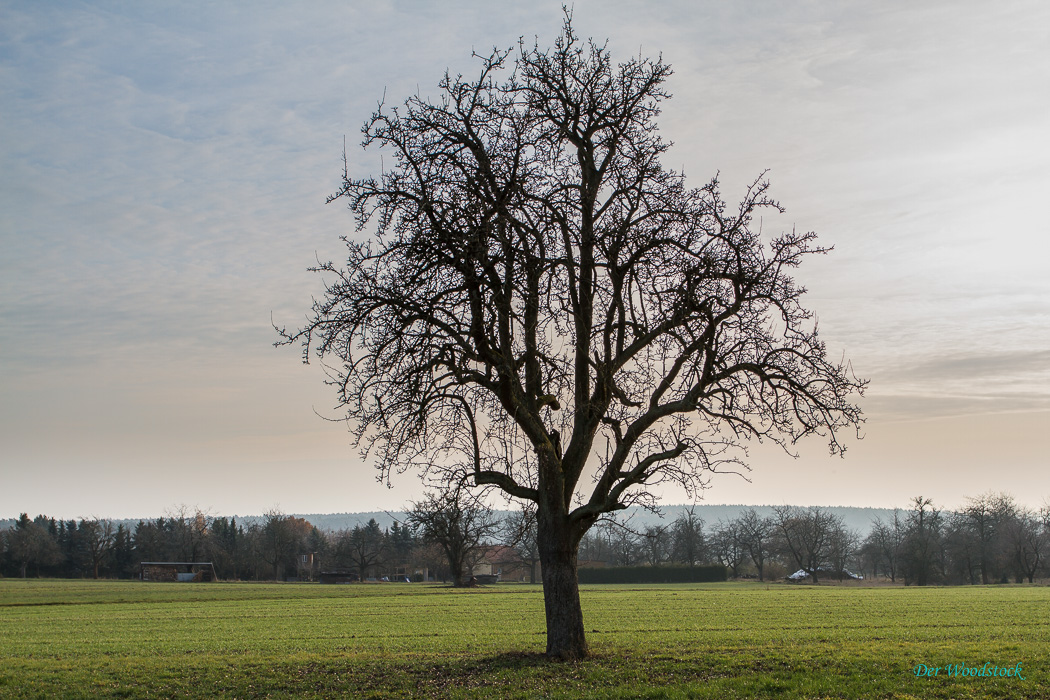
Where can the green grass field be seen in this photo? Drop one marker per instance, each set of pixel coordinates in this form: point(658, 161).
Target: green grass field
point(131, 639)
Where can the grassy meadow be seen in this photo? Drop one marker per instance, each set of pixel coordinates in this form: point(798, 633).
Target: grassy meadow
point(130, 639)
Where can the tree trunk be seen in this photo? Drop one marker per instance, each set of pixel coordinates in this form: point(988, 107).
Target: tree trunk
point(456, 566)
point(561, 589)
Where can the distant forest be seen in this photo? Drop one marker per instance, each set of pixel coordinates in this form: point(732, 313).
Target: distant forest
point(856, 518)
point(991, 539)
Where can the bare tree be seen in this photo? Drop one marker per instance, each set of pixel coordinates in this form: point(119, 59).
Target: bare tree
point(459, 523)
point(725, 543)
point(755, 534)
point(1029, 542)
point(922, 542)
point(99, 537)
point(656, 544)
point(595, 546)
point(688, 544)
point(624, 542)
point(805, 535)
point(842, 545)
point(520, 533)
point(887, 540)
point(546, 309)
point(986, 518)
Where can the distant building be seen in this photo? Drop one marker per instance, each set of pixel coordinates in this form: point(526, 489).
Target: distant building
point(177, 571)
point(502, 562)
point(338, 576)
point(307, 566)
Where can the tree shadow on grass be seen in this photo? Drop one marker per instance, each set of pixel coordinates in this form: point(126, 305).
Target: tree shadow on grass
point(510, 661)
point(503, 674)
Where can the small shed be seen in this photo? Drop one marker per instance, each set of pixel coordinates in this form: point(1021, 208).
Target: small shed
point(177, 571)
point(339, 576)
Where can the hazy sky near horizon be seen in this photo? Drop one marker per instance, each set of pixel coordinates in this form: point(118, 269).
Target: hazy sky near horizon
point(163, 170)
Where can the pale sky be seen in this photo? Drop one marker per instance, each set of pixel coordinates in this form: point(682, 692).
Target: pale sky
point(163, 170)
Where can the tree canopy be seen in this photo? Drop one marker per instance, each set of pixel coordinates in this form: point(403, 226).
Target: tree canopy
point(542, 307)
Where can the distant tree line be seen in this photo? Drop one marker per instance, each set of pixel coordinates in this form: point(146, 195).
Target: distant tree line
point(991, 539)
point(270, 548)
point(274, 547)
point(96, 547)
point(812, 540)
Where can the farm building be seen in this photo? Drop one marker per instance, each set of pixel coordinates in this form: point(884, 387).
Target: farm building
point(339, 576)
point(501, 563)
point(180, 571)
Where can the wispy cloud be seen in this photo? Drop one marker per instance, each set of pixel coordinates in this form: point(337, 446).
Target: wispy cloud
point(164, 168)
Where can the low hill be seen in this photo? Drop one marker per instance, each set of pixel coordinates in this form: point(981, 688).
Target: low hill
point(858, 519)
point(855, 518)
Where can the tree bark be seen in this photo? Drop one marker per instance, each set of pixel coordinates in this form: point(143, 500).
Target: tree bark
point(455, 565)
point(558, 546)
